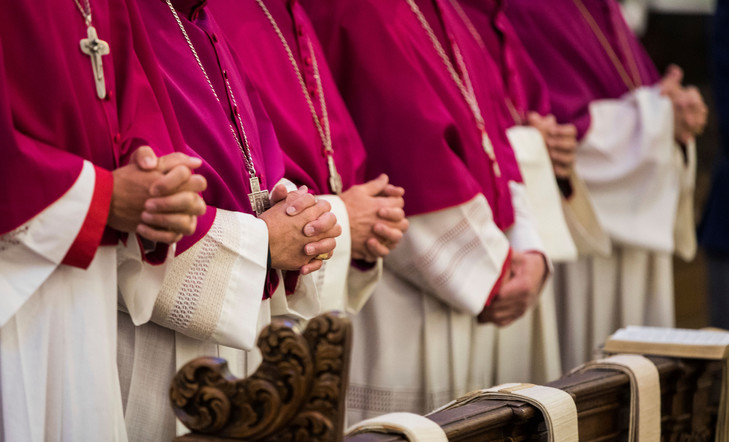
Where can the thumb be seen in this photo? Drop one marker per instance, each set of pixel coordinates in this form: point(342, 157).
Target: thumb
point(374, 187)
point(672, 79)
point(533, 118)
point(144, 158)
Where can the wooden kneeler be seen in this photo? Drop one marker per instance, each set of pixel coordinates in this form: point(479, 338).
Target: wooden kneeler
point(297, 393)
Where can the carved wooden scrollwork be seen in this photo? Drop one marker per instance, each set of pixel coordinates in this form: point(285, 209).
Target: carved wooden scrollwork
point(296, 394)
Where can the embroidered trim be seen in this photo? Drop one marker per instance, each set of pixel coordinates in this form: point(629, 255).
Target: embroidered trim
point(13, 238)
point(194, 291)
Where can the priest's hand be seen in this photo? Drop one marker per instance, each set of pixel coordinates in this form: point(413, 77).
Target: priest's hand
point(296, 238)
point(689, 109)
point(132, 190)
point(376, 217)
point(175, 201)
point(561, 141)
point(519, 291)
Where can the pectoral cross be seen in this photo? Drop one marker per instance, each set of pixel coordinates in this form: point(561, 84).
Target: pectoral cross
point(260, 202)
point(95, 49)
point(335, 180)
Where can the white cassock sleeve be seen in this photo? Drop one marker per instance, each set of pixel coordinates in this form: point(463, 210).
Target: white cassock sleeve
point(457, 254)
point(341, 285)
point(30, 253)
point(523, 235)
point(628, 160)
point(213, 291)
point(542, 195)
point(684, 234)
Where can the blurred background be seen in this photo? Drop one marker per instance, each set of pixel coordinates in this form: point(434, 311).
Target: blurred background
point(679, 31)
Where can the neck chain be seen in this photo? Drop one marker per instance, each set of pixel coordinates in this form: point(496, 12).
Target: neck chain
point(516, 114)
point(322, 126)
point(258, 198)
point(94, 47)
point(631, 81)
point(464, 85)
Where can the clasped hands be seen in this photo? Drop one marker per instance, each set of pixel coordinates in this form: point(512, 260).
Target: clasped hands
point(300, 229)
point(561, 141)
point(158, 198)
point(376, 217)
point(690, 111)
point(519, 290)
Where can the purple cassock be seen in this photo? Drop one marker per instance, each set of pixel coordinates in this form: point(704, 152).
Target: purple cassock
point(266, 62)
point(574, 64)
point(51, 118)
point(523, 86)
point(415, 123)
point(206, 121)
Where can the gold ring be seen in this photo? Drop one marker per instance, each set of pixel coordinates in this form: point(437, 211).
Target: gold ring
point(323, 256)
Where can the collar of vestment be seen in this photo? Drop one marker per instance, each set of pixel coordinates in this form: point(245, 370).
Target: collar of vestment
point(189, 8)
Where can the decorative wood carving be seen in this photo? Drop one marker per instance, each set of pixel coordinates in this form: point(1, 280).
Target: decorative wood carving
point(297, 394)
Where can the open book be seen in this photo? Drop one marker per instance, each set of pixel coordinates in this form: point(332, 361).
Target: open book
point(676, 342)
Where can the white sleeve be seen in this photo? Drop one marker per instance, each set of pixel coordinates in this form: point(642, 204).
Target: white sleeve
point(523, 235)
point(627, 161)
point(30, 253)
point(541, 193)
point(685, 231)
point(457, 254)
point(341, 285)
point(213, 290)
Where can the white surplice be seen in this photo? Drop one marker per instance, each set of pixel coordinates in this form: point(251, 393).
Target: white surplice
point(58, 369)
point(528, 349)
point(641, 185)
point(412, 340)
point(210, 305)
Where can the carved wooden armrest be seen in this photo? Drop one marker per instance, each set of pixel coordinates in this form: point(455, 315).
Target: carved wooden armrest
point(297, 393)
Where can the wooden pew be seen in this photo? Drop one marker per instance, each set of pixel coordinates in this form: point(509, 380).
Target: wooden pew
point(297, 395)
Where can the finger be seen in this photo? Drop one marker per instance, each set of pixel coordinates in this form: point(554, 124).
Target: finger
point(300, 201)
point(170, 161)
point(321, 226)
point(391, 201)
point(401, 226)
point(562, 171)
point(392, 190)
point(534, 118)
point(144, 158)
point(311, 266)
point(278, 193)
point(175, 222)
point(374, 187)
point(394, 214)
point(325, 245)
point(189, 203)
point(387, 234)
point(319, 208)
point(563, 130)
point(377, 249)
point(170, 181)
point(152, 234)
point(562, 157)
point(562, 144)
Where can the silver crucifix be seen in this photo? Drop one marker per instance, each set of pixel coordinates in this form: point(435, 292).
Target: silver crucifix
point(260, 202)
point(95, 49)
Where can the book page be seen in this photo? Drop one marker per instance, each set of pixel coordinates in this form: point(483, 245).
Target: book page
point(660, 335)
